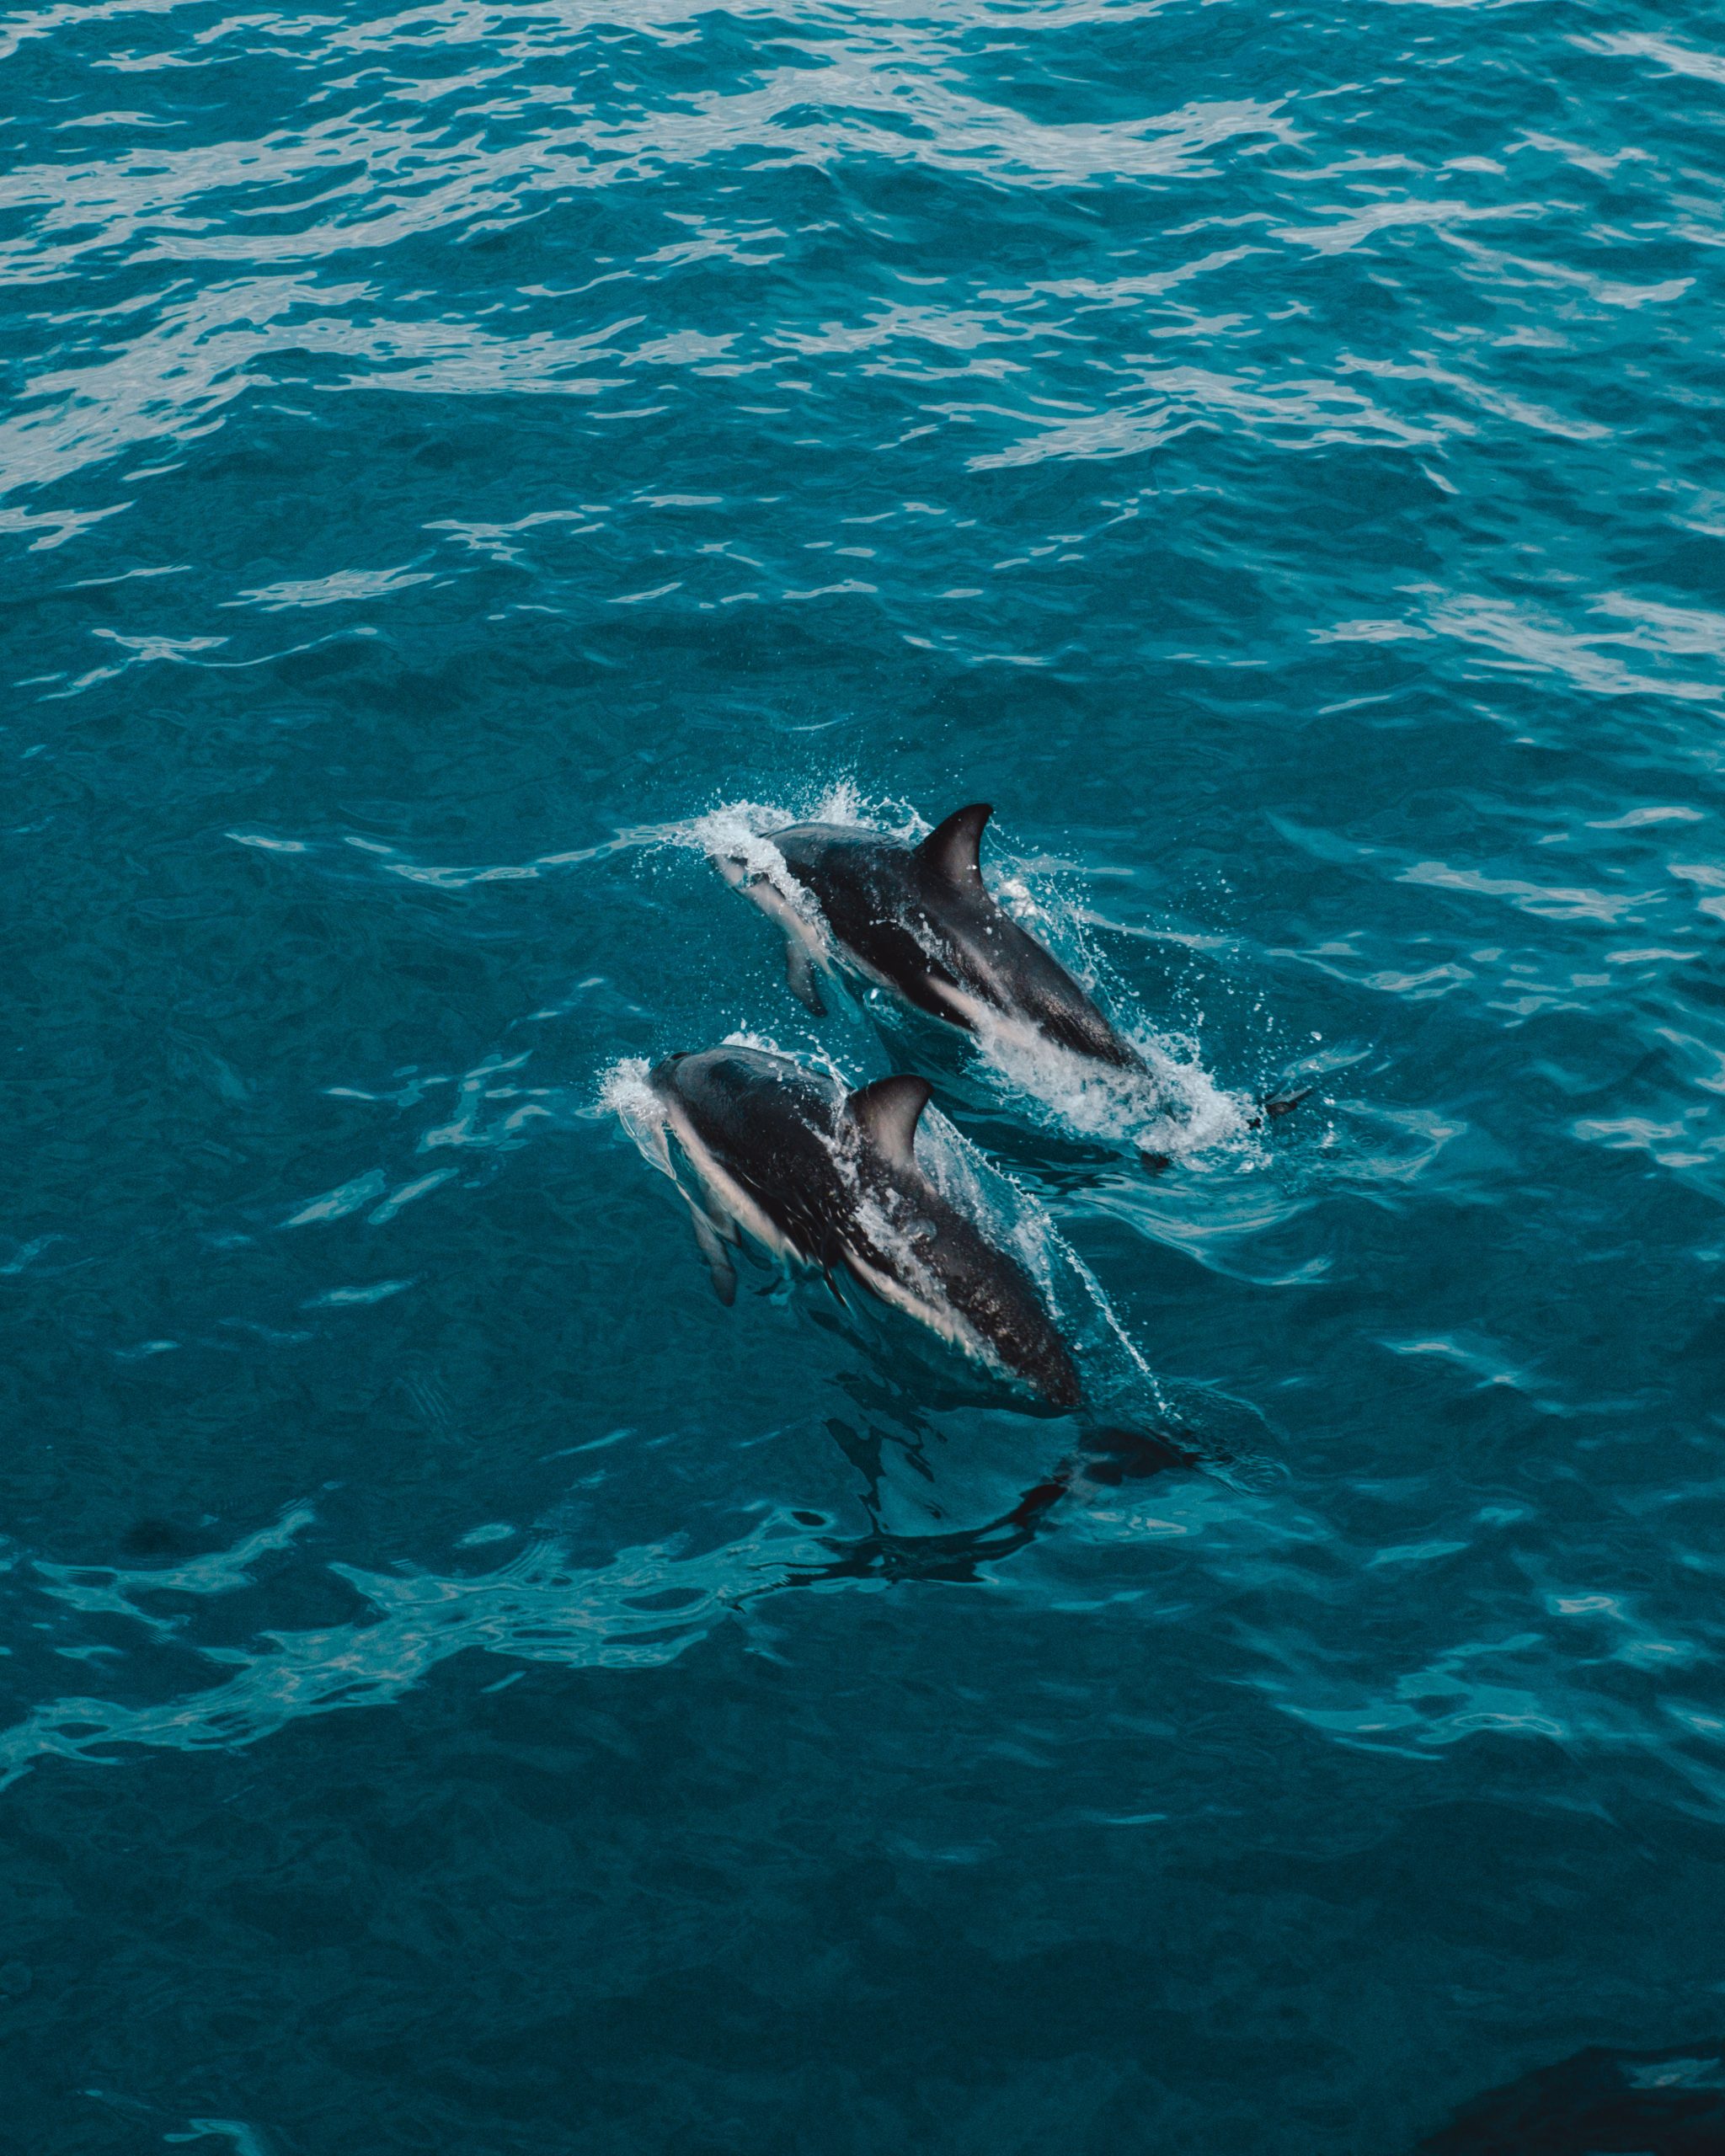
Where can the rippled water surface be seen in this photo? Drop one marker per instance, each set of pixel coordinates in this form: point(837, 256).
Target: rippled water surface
point(466, 1690)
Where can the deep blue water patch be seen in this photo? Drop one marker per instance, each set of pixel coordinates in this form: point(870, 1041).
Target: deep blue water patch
point(466, 1690)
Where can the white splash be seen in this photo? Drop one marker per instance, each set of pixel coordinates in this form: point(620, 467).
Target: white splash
point(624, 1092)
point(1178, 1108)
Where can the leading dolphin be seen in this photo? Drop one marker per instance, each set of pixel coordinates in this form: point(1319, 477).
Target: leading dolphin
point(918, 920)
point(831, 1178)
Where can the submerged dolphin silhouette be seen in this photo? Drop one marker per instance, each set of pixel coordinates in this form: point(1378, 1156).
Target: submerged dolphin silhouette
point(918, 920)
point(832, 1179)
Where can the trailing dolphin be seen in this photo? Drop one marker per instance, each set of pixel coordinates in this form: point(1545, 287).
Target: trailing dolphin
point(919, 920)
point(832, 1179)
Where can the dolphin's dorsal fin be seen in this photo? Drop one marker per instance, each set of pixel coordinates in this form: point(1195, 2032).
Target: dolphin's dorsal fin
point(887, 1112)
point(950, 851)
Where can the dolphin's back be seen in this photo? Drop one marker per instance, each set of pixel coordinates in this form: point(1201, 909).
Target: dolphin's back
point(998, 1299)
point(860, 881)
point(1011, 971)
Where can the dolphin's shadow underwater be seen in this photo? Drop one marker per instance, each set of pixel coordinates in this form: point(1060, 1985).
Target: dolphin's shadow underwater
point(1105, 1461)
point(1640, 2103)
point(915, 923)
point(901, 1453)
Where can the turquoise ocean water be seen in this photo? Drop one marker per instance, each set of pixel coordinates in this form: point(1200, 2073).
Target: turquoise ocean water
point(465, 1691)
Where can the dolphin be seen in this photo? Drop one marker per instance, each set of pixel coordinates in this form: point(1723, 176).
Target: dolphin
point(828, 1178)
point(918, 921)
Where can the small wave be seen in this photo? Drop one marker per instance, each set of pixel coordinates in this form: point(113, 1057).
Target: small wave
point(641, 1610)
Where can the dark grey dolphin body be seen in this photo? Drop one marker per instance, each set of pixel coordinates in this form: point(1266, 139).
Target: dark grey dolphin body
point(919, 920)
point(832, 1179)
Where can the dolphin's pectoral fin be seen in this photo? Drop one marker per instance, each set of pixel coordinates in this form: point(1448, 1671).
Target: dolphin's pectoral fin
point(1275, 1104)
point(800, 976)
point(719, 1269)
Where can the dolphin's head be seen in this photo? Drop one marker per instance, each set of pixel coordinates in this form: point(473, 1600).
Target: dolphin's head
point(757, 862)
point(772, 869)
point(808, 848)
point(754, 867)
point(736, 866)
